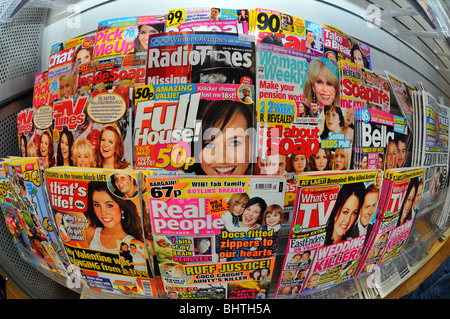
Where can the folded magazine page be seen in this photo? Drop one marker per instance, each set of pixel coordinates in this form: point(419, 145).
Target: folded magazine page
point(194, 128)
point(402, 91)
point(102, 225)
point(216, 237)
point(329, 229)
point(200, 57)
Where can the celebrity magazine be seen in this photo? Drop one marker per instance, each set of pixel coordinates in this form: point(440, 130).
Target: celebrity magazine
point(200, 57)
point(190, 129)
point(33, 210)
point(208, 19)
point(93, 130)
point(402, 193)
point(102, 225)
point(216, 237)
point(329, 229)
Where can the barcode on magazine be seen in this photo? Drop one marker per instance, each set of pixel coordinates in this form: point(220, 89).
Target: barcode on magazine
point(265, 186)
point(147, 287)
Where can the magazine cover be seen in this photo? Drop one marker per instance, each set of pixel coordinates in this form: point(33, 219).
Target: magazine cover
point(93, 130)
point(402, 92)
point(328, 232)
point(395, 219)
point(101, 225)
point(336, 44)
point(44, 90)
point(216, 237)
point(26, 176)
point(25, 129)
point(276, 22)
point(202, 129)
point(125, 36)
point(208, 19)
point(18, 220)
point(285, 30)
point(301, 126)
point(200, 57)
point(435, 122)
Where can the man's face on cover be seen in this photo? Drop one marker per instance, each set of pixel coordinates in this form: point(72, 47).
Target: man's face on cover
point(401, 153)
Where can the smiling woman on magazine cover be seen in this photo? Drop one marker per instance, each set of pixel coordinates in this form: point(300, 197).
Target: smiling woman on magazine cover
point(111, 219)
point(345, 212)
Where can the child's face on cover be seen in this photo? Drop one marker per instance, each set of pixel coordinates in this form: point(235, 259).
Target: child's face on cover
point(238, 208)
point(228, 153)
point(273, 219)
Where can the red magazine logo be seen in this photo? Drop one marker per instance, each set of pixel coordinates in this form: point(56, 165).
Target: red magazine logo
point(68, 196)
point(315, 206)
point(69, 113)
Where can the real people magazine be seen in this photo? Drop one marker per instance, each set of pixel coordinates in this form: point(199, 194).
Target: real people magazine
point(216, 237)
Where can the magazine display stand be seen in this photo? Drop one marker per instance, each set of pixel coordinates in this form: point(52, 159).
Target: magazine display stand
point(431, 223)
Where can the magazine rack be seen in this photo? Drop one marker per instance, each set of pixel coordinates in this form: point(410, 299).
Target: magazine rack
point(413, 58)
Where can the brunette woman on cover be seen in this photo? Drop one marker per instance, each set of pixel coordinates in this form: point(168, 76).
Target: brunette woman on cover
point(344, 214)
point(64, 154)
point(111, 219)
point(335, 123)
point(226, 148)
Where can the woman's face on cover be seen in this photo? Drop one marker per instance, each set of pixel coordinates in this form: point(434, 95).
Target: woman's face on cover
point(144, 33)
point(82, 159)
point(108, 144)
point(358, 58)
point(299, 163)
point(22, 147)
point(324, 89)
point(65, 88)
point(45, 142)
point(106, 209)
point(339, 159)
point(251, 214)
point(228, 153)
point(332, 120)
point(64, 146)
point(409, 202)
point(321, 160)
point(347, 215)
point(83, 56)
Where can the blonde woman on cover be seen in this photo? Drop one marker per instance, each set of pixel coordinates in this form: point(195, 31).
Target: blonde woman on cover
point(322, 85)
point(83, 154)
